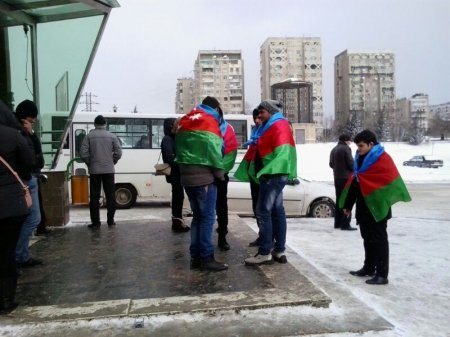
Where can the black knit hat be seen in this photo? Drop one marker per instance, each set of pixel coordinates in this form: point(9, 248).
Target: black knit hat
point(26, 109)
point(211, 101)
point(99, 120)
point(270, 105)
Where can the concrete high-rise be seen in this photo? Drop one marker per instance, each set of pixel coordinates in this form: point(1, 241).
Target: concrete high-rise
point(185, 95)
point(364, 90)
point(220, 73)
point(296, 58)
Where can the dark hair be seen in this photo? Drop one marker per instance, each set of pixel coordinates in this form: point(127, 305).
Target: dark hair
point(366, 136)
point(344, 138)
point(211, 101)
point(99, 120)
point(26, 109)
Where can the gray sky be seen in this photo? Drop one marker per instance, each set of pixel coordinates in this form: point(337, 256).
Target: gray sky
point(148, 44)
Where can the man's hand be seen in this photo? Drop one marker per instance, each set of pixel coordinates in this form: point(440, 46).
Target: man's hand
point(346, 212)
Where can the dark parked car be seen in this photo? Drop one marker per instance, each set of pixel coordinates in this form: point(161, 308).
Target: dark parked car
point(421, 161)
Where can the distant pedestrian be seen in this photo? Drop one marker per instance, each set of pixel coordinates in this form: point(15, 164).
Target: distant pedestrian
point(273, 162)
point(199, 145)
point(374, 186)
point(168, 155)
point(15, 150)
point(100, 151)
point(229, 158)
point(341, 161)
point(27, 113)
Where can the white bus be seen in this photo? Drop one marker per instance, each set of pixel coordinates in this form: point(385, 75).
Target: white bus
point(140, 135)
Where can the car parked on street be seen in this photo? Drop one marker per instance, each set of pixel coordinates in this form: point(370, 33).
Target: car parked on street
point(421, 161)
point(301, 197)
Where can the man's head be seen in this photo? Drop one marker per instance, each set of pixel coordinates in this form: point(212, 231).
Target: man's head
point(345, 138)
point(27, 110)
point(256, 118)
point(211, 102)
point(99, 121)
point(364, 141)
point(267, 108)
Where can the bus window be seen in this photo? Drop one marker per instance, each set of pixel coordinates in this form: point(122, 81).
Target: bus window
point(79, 137)
point(157, 132)
point(240, 129)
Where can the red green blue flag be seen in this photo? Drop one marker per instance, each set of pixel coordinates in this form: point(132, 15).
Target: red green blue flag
point(380, 182)
point(230, 146)
point(199, 139)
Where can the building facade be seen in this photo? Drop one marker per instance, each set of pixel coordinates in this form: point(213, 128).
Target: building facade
point(185, 95)
point(296, 58)
point(220, 73)
point(364, 90)
point(441, 110)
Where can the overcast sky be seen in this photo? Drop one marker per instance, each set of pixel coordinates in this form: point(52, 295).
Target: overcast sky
point(148, 44)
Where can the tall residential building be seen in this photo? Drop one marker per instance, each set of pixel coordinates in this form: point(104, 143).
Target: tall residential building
point(364, 89)
point(441, 110)
point(220, 73)
point(296, 58)
point(185, 95)
point(420, 112)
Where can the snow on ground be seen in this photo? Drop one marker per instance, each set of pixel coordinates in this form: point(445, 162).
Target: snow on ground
point(313, 160)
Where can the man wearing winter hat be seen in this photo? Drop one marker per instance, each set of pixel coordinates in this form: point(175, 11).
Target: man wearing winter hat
point(100, 151)
point(273, 162)
point(26, 113)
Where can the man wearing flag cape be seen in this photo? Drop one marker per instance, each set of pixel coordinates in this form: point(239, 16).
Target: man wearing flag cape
point(199, 154)
point(270, 163)
point(374, 186)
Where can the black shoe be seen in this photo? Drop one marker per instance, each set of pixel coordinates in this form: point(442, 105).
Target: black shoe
point(349, 228)
point(30, 263)
point(254, 243)
point(211, 264)
point(337, 226)
point(111, 224)
point(279, 257)
point(43, 231)
point(378, 280)
point(361, 272)
point(195, 262)
point(7, 305)
point(223, 244)
point(94, 226)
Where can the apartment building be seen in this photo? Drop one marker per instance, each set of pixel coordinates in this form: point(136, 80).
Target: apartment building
point(298, 59)
point(185, 95)
point(364, 89)
point(220, 73)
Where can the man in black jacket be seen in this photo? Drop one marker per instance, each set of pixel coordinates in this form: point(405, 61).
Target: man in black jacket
point(341, 161)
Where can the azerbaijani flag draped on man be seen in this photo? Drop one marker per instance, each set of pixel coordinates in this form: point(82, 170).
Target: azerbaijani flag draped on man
point(380, 182)
point(230, 146)
point(199, 139)
point(276, 147)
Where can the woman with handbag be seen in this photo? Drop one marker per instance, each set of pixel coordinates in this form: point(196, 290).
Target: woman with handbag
point(13, 211)
point(168, 155)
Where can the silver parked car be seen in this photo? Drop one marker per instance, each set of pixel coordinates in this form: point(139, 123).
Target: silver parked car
point(301, 198)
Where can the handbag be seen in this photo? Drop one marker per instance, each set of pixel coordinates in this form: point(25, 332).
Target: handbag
point(162, 169)
point(15, 198)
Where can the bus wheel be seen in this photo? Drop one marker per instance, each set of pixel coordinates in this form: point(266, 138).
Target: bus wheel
point(125, 196)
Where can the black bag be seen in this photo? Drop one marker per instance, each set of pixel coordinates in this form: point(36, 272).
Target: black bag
point(12, 201)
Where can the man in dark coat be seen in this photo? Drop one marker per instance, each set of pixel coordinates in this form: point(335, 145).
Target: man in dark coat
point(341, 161)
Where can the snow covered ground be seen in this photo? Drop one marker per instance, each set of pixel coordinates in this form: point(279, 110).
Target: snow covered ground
point(417, 299)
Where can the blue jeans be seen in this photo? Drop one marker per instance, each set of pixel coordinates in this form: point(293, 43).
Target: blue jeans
point(31, 222)
point(270, 214)
point(203, 205)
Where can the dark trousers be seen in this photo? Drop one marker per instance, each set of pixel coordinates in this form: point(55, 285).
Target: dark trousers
point(177, 200)
point(376, 246)
point(9, 235)
point(222, 206)
point(340, 220)
point(96, 181)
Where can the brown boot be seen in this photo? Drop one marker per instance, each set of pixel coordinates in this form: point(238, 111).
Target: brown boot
point(178, 225)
